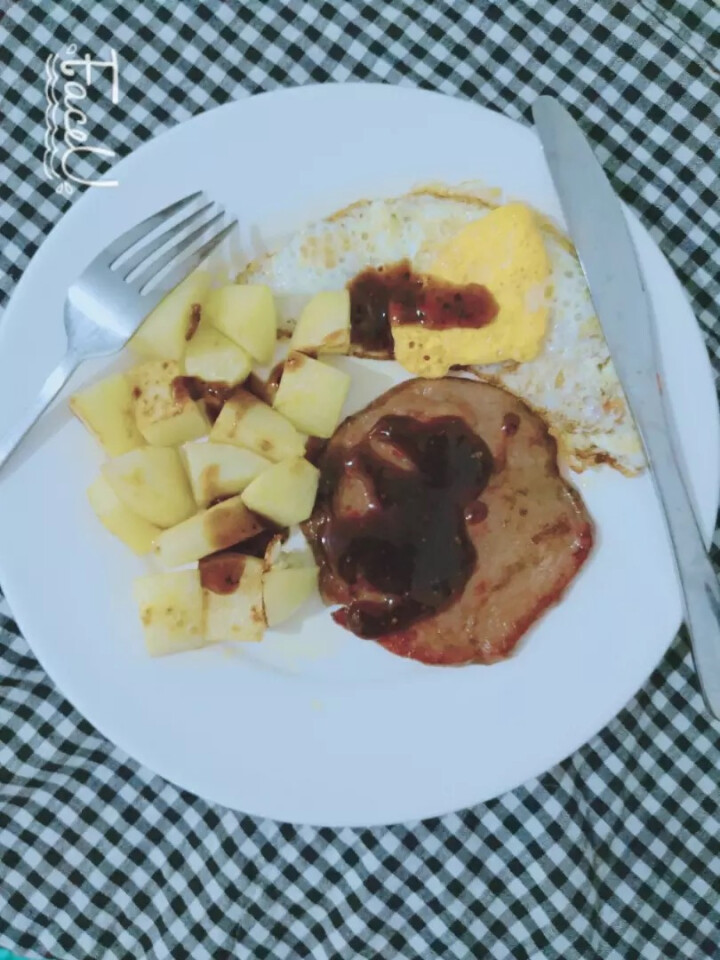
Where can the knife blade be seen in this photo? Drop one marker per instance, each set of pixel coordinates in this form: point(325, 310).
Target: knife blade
point(607, 255)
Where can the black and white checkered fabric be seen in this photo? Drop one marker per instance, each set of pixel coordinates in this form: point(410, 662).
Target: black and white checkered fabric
point(614, 853)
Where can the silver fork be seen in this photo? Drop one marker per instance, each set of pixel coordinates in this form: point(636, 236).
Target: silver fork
point(110, 299)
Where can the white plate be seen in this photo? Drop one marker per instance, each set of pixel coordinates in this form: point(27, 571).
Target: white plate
point(322, 727)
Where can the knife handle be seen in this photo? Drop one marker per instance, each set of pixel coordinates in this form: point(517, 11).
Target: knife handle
point(700, 587)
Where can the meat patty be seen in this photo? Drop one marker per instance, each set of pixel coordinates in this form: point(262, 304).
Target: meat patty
point(523, 533)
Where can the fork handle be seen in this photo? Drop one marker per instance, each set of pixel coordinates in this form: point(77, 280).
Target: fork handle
point(50, 389)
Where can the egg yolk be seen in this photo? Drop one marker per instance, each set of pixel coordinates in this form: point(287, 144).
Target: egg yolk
point(505, 252)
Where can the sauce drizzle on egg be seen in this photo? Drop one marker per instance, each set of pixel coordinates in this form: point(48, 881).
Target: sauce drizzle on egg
point(393, 295)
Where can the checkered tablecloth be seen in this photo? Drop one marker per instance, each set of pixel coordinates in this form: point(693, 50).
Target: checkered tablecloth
point(614, 853)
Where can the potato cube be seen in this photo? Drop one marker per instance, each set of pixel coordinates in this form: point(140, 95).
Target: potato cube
point(151, 481)
point(134, 531)
point(172, 611)
point(248, 422)
point(324, 324)
point(165, 412)
point(164, 332)
point(311, 395)
point(220, 470)
point(246, 314)
point(212, 356)
point(218, 528)
point(284, 493)
point(233, 598)
point(285, 590)
point(106, 409)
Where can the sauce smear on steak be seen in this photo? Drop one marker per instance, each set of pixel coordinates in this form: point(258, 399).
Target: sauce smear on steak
point(442, 524)
point(411, 545)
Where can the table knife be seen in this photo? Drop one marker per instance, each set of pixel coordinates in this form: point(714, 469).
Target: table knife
point(601, 236)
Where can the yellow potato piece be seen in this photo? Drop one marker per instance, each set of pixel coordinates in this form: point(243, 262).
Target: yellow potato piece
point(212, 356)
point(285, 590)
point(172, 611)
point(165, 416)
point(163, 334)
point(250, 423)
point(106, 409)
point(135, 531)
point(246, 314)
point(285, 492)
point(311, 395)
point(217, 528)
point(324, 324)
point(220, 469)
point(151, 481)
point(237, 615)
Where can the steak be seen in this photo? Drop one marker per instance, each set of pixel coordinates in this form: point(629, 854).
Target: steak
point(442, 525)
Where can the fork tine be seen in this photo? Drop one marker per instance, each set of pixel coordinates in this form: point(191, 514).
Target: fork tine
point(128, 239)
point(185, 267)
point(171, 254)
point(148, 249)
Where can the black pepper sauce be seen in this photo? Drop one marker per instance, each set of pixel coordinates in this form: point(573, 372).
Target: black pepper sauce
point(407, 553)
point(388, 296)
point(509, 427)
point(314, 449)
point(193, 320)
point(257, 546)
point(369, 320)
point(221, 572)
point(265, 390)
point(510, 424)
point(212, 393)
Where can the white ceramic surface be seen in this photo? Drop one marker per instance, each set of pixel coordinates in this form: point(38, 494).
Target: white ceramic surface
point(316, 725)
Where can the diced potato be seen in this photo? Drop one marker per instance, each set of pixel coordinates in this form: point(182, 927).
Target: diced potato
point(324, 324)
point(165, 413)
point(218, 528)
point(163, 334)
point(233, 598)
point(212, 356)
point(220, 469)
point(106, 409)
point(246, 314)
point(284, 493)
point(134, 531)
point(311, 395)
point(151, 481)
point(248, 422)
point(285, 590)
point(172, 611)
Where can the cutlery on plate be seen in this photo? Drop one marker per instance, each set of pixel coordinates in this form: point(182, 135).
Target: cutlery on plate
point(118, 289)
point(600, 233)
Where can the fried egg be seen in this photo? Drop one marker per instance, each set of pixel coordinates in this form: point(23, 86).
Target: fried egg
point(554, 355)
